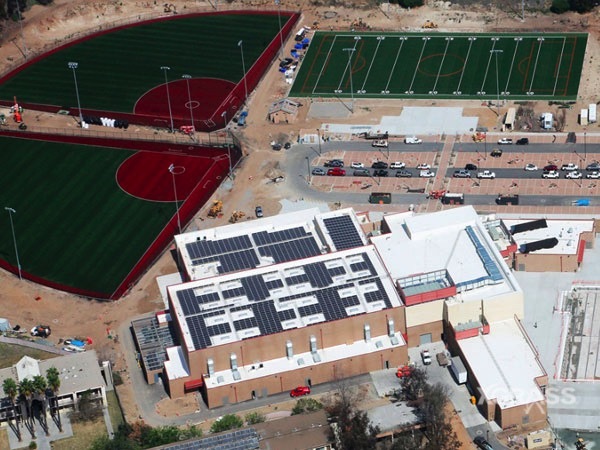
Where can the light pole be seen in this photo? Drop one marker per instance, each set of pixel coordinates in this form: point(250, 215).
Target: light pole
point(241, 46)
point(319, 138)
point(278, 3)
point(308, 168)
point(350, 52)
point(172, 170)
point(585, 145)
point(224, 115)
point(11, 211)
point(164, 69)
point(497, 80)
point(25, 51)
point(187, 80)
point(73, 65)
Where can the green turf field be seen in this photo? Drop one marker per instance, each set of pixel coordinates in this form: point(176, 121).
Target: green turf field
point(116, 68)
point(73, 224)
point(442, 65)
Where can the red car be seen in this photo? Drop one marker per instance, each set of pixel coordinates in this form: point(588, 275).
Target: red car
point(550, 167)
point(300, 391)
point(336, 172)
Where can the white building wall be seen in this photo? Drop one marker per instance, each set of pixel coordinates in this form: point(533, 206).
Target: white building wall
point(424, 313)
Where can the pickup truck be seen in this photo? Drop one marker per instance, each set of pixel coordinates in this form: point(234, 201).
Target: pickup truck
point(486, 174)
point(426, 357)
point(569, 167)
point(412, 140)
point(442, 359)
point(426, 174)
point(380, 143)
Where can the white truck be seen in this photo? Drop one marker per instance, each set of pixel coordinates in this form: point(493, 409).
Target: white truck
point(592, 113)
point(426, 357)
point(458, 370)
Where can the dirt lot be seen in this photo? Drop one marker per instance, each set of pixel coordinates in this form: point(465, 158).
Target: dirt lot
point(43, 26)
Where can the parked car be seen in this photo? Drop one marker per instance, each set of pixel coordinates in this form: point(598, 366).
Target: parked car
point(531, 167)
point(287, 145)
point(412, 140)
point(318, 171)
point(482, 443)
point(593, 175)
point(574, 175)
point(569, 166)
point(487, 174)
point(361, 173)
point(595, 166)
point(504, 141)
point(380, 173)
point(426, 174)
point(550, 168)
point(334, 163)
point(286, 62)
point(470, 167)
point(336, 172)
point(276, 146)
point(426, 357)
point(523, 141)
point(379, 165)
point(404, 174)
point(300, 391)
point(496, 153)
point(423, 166)
point(397, 165)
point(550, 174)
point(380, 143)
point(258, 212)
point(462, 174)
point(357, 165)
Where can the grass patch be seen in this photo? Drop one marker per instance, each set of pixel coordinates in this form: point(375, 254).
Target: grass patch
point(114, 410)
point(84, 433)
point(11, 354)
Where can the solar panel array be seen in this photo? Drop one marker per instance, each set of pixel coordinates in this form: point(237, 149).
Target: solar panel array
point(343, 232)
point(490, 266)
point(240, 252)
point(267, 314)
point(153, 340)
point(246, 439)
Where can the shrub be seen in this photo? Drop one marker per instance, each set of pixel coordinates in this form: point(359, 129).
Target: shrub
point(255, 417)
point(227, 422)
point(559, 6)
point(305, 405)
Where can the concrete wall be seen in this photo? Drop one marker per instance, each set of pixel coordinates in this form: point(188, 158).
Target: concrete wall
point(424, 313)
point(545, 263)
point(531, 413)
point(414, 333)
point(463, 312)
point(503, 307)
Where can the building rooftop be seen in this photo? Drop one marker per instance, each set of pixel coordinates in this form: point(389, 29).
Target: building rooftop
point(259, 243)
point(452, 243)
point(504, 364)
point(271, 299)
point(566, 233)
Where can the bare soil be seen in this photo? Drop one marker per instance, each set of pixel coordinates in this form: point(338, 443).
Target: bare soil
point(27, 304)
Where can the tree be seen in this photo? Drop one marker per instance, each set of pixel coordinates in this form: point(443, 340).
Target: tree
point(227, 422)
point(582, 6)
point(11, 390)
point(88, 409)
point(26, 390)
point(255, 417)
point(438, 429)
point(40, 385)
point(53, 378)
point(414, 385)
point(559, 6)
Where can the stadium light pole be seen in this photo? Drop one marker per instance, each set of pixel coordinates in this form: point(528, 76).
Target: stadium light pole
point(224, 115)
point(497, 80)
point(172, 170)
point(11, 211)
point(241, 46)
point(25, 51)
point(278, 3)
point(73, 66)
point(164, 69)
point(187, 80)
point(350, 52)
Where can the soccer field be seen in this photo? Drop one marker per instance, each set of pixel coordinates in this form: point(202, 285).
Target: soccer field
point(442, 65)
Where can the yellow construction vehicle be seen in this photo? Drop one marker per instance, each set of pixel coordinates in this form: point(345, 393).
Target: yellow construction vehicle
point(237, 215)
point(429, 24)
point(215, 209)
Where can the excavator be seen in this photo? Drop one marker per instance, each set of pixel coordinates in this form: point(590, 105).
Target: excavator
point(215, 209)
point(237, 215)
point(429, 25)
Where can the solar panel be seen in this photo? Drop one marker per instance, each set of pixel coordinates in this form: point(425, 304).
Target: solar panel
point(246, 439)
point(269, 321)
point(265, 238)
point(242, 324)
point(198, 332)
point(365, 264)
point(255, 288)
point(318, 275)
point(232, 262)
point(220, 328)
point(291, 250)
point(343, 233)
point(204, 248)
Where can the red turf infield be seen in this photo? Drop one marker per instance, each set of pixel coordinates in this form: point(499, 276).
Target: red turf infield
point(146, 175)
point(207, 96)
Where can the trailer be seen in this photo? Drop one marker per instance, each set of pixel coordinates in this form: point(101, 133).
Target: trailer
point(507, 199)
point(453, 199)
point(583, 117)
point(592, 113)
point(458, 370)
